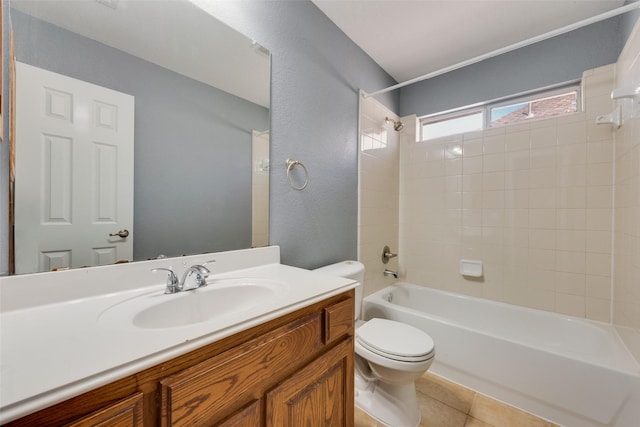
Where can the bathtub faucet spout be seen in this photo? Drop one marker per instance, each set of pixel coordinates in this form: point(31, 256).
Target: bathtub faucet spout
point(389, 273)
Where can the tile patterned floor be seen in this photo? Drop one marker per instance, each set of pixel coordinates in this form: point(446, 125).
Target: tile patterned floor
point(446, 404)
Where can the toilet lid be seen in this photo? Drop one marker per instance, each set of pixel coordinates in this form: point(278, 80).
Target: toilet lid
point(388, 337)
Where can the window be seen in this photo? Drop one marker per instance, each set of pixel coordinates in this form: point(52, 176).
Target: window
point(507, 111)
point(536, 108)
point(450, 124)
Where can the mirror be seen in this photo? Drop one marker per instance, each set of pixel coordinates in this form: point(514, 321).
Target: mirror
point(199, 94)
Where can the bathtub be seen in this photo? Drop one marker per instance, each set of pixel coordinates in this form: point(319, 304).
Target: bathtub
point(568, 370)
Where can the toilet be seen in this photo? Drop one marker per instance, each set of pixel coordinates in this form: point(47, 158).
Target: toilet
point(389, 357)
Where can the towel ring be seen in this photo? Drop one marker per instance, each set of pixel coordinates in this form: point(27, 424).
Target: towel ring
point(292, 164)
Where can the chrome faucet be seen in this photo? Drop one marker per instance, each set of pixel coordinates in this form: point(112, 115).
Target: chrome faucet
point(194, 277)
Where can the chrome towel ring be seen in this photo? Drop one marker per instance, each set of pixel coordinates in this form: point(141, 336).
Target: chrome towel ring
point(291, 163)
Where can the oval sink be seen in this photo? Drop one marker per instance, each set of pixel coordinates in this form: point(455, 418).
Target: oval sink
point(221, 298)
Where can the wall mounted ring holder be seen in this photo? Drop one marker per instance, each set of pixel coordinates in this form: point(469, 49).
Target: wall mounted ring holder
point(291, 164)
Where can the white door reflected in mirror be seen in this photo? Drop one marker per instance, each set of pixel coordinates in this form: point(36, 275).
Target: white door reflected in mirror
point(74, 172)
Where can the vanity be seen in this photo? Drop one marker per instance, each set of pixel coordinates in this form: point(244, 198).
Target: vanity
point(90, 347)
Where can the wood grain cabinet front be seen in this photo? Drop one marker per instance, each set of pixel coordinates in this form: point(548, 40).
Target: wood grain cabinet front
point(321, 394)
point(207, 392)
point(291, 371)
point(316, 390)
point(125, 413)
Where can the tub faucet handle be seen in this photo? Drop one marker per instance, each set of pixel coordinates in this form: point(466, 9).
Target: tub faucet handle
point(387, 254)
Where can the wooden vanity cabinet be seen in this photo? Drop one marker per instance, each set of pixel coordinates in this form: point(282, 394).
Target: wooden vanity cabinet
point(294, 370)
point(124, 413)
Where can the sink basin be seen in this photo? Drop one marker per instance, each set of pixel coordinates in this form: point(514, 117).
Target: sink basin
point(221, 298)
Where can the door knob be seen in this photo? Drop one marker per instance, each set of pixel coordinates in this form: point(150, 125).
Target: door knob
point(121, 233)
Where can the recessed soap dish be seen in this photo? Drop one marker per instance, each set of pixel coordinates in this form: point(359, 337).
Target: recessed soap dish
point(471, 268)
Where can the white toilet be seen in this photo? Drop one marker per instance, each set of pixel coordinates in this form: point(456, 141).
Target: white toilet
point(390, 356)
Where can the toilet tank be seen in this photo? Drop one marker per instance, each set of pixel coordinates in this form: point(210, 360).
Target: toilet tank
point(349, 270)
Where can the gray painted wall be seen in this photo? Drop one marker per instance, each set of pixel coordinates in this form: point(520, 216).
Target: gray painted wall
point(192, 184)
point(552, 61)
point(629, 20)
point(316, 74)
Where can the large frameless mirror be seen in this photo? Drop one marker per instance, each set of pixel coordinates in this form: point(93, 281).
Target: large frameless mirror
point(141, 130)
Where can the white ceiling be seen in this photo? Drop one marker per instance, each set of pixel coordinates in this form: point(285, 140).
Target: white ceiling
point(410, 38)
point(177, 35)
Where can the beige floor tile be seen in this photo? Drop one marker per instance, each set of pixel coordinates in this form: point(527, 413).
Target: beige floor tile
point(497, 413)
point(474, 422)
point(446, 404)
point(447, 392)
point(437, 414)
point(364, 420)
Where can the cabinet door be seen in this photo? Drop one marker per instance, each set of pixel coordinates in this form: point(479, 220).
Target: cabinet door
point(124, 413)
point(321, 394)
point(207, 392)
point(249, 416)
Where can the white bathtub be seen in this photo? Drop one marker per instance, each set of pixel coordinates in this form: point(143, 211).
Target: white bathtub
point(568, 370)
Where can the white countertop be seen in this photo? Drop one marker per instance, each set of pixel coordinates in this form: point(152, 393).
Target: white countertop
point(51, 352)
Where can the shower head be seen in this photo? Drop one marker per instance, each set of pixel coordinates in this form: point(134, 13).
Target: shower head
point(397, 125)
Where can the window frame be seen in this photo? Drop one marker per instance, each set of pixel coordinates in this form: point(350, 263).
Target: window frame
point(487, 107)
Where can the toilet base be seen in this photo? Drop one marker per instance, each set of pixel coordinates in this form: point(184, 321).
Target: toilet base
point(391, 404)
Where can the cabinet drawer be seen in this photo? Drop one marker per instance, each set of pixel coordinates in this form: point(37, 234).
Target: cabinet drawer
point(211, 390)
point(338, 320)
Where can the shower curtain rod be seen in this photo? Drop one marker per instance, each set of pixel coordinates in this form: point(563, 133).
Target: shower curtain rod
point(541, 37)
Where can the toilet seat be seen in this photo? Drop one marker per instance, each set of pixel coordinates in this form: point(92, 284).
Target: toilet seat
point(395, 340)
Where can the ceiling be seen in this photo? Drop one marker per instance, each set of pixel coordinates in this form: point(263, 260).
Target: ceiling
point(410, 38)
point(196, 44)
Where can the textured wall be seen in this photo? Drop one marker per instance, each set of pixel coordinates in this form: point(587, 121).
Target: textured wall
point(316, 74)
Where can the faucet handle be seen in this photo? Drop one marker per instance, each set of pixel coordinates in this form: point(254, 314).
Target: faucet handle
point(204, 271)
point(387, 254)
point(173, 284)
point(201, 270)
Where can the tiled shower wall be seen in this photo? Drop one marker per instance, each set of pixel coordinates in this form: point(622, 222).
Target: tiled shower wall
point(378, 192)
point(532, 201)
point(626, 290)
point(535, 202)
